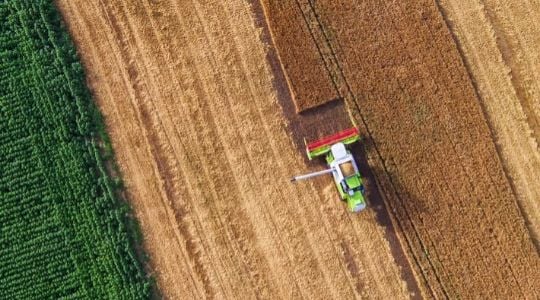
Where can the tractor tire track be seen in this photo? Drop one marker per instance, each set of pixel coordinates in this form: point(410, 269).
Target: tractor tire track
point(466, 163)
point(319, 34)
point(301, 125)
point(408, 53)
point(347, 94)
point(133, 114)
point(190, 105)
point(499, 52)
point(234, 232)
point(161, 134)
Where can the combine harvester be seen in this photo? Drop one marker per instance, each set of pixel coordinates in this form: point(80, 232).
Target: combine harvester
point(342, 166)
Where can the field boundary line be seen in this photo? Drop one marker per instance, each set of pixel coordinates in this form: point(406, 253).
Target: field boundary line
point(169, 209)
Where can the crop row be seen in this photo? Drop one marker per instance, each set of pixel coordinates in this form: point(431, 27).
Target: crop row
point(63, 232)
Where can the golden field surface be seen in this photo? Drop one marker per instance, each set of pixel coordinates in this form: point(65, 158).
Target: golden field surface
point(200, 101)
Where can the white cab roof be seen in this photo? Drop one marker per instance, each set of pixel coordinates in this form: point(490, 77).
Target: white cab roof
point(338, 151)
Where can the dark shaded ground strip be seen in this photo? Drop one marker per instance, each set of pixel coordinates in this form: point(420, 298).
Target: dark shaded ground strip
point(324, 120)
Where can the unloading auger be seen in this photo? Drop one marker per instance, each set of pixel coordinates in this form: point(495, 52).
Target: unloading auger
point(342, 166)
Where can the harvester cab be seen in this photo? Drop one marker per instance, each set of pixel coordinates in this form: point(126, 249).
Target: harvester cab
point(341, 164)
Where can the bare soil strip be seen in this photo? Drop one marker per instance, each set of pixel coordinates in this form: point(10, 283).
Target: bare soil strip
point(431, 149)
point(302, 63)
point(199, 135)
point(497, 41)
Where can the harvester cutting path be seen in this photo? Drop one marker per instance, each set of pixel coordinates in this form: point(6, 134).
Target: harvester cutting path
point(342, 166)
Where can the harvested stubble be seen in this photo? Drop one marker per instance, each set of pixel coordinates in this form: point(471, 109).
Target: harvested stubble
point(189, 99)
point(431, 148)
point(497, 41)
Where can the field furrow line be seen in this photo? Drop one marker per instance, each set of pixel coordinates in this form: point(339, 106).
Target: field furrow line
point(327, 230)
point(137, 107)
point(247, 115)
point(493, 69)
point(177, 133)
point(232, 159)
point(462, 164)
point(165, 193)
point(144, 122)
point(199, 181)
point(513, 35)
point(89, 35)
point(517, 40)
point(346, 88)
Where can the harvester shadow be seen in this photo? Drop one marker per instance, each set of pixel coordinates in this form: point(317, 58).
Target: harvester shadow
point(316, 110)
point(372, 173)
point(374, 198)
point(328, 119)
point(383, 215)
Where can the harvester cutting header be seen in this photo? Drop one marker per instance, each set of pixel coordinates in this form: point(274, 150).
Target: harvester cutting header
point(342, 166)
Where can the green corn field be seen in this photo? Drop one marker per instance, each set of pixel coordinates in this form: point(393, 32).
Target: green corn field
point(64, 231)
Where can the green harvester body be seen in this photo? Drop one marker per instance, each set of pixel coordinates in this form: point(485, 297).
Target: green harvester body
point(342, 166)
